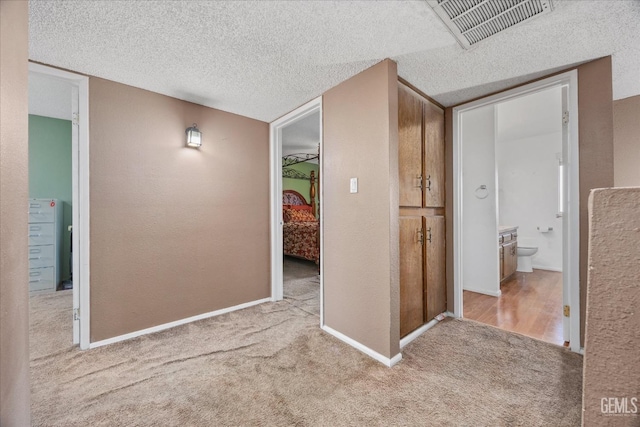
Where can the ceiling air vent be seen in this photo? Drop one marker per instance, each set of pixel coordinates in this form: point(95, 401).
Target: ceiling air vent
point(472, 21)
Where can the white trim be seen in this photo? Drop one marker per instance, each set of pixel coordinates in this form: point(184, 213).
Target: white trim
point(485, 292)
point(363, 348)
point(80, 194)
point(175, 323)
point(415, 334)
point(572, 215)
point(275, 178)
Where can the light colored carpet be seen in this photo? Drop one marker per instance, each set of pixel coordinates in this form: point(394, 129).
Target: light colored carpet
point(272, 365)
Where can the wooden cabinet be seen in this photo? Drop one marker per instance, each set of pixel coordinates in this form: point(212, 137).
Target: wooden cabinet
point(422, 222)
point(409, 148)
point(510, 259)
point(436, 286)
point(411, 273)
point(508, 247)
point(433, 155)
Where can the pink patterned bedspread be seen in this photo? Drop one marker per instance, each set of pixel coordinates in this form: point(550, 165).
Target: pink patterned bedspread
point(301, 240)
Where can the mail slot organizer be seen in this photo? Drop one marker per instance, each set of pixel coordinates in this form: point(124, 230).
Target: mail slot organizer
point(45, 237)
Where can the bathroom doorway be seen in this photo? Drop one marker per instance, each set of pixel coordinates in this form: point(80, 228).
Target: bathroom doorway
point(515, 211)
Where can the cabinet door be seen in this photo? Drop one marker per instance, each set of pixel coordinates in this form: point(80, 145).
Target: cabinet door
point(433, 156)
point(409, 148)
point(510, 258)
point(436, 289)
point(501, 263)
point(411, 274)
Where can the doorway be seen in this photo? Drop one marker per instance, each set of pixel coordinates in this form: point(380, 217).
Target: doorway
point(296, 211)
point(484, 198)
point(67, 93)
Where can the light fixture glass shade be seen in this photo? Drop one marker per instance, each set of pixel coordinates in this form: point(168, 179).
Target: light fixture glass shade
point(194, 136)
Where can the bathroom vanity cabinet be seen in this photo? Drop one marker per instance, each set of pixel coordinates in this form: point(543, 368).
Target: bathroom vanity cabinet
point(422, 223)
point(508, 246)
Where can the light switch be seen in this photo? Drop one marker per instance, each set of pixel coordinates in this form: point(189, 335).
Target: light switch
point(354, 185)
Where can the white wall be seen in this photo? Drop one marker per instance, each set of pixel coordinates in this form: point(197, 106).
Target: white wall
point(480, 258)
point(528, 172)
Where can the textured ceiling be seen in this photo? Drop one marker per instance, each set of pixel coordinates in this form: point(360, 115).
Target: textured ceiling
point(262, 59)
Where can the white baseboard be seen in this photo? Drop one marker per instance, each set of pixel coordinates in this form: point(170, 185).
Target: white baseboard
point(484, 291)
point(540, 267)
point(363, 348)
point(415, 334)
point(176, 323)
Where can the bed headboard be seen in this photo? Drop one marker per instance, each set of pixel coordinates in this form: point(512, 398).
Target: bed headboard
point(291, 197)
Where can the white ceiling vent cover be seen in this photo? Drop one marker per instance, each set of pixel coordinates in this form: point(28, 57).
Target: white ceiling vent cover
point(472, 21)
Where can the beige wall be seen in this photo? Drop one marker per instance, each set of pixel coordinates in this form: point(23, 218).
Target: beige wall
point(612, 355)
point(175, 231)
point(361, 230)
point(14, 192)
point(626, 142)
point(595, 110)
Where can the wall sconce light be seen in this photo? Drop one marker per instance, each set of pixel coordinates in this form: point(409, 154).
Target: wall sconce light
point(194, 136)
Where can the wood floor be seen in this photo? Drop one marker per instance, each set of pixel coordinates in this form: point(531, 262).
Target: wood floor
point(531, 304)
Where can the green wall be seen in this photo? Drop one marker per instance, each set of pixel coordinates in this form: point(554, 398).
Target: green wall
point(50, 171)
point(302, 185)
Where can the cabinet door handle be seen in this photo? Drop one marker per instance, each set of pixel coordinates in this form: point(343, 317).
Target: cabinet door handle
point(420, 236)
point(34, 258)
point(35, 235)
point(429, 234)
point(429, 183)
point(419, 177)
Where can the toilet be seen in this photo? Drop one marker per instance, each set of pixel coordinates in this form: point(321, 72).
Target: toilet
point(527, 248)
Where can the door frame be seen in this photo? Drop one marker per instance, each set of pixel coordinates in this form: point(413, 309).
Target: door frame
point(80, 200)
point(571, 216)
point(275, 161)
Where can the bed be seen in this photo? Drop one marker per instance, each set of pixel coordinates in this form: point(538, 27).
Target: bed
point(300, 230)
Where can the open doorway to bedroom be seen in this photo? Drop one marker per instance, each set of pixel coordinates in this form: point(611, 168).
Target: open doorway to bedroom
point(58, 209)
point(297, 208)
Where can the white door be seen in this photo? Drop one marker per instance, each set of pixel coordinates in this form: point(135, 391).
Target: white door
point(75, 259)
point(480, 259)
point(563, 175)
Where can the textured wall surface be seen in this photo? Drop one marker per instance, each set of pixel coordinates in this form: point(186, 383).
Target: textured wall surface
point(595, 110)
point(14, 192)
point(361, 238)
point(175, 231)
point(626, 142)
point(612, 347)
